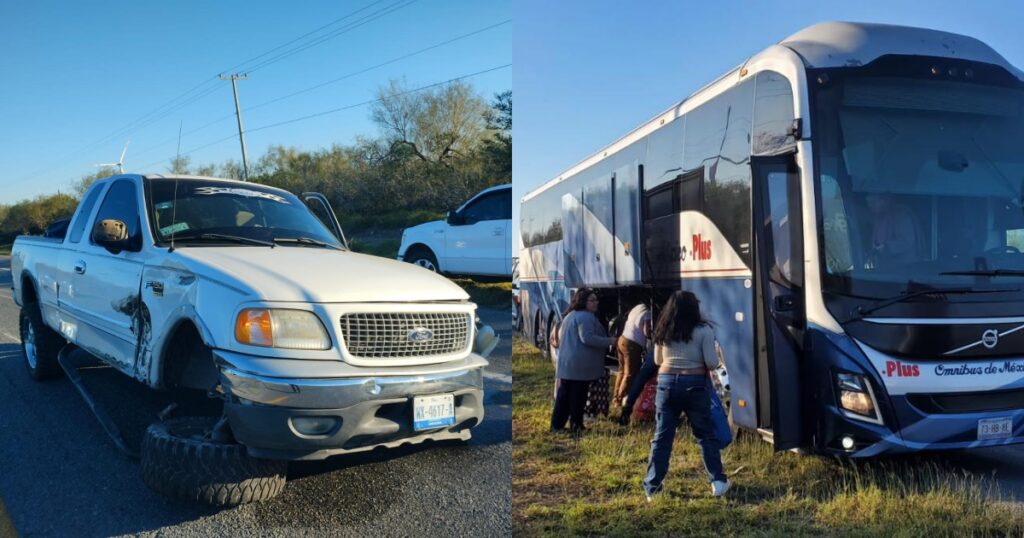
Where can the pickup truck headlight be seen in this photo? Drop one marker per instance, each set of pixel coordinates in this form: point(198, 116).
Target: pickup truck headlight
point(856, 397)
point(289, 329)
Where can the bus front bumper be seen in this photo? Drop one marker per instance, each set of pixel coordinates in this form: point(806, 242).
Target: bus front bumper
point(917, 431)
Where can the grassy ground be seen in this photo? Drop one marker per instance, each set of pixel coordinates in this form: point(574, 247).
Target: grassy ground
point(385, 245)
point(591, 485)
point(489, 294)
point(386, 221)
point(381, 234)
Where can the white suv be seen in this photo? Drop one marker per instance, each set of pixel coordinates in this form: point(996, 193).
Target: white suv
point(474, 240)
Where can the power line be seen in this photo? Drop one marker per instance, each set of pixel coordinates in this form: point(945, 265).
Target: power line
point(142, 122)
point(332, 81)
point(334, 33)
point(377, 66)
point(332, 23)
point(174, 105)
point(339, 109)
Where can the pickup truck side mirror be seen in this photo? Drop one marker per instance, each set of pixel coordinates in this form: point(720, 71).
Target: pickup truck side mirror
point(112, 234)
point(454, 218)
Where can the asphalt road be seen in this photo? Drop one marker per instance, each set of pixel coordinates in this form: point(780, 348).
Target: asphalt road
point(60, 474)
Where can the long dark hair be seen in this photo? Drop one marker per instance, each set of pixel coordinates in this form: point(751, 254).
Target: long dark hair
point(678, 319)
point(579, 300)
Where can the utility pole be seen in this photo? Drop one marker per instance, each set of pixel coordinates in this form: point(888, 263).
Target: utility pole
point(238, 112)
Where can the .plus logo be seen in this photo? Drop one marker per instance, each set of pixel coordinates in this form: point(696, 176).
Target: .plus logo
point(898, 369)
point(701, 249)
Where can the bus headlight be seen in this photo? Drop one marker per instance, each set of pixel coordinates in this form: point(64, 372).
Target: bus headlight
point(289, 329)
point(857, 398)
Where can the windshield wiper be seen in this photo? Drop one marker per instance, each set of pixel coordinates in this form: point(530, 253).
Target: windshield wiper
point(861, 311)
point(306, 241)
point(225, 237)
point(987, 272)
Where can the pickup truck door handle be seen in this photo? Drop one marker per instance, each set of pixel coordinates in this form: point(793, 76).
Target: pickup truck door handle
point(499, 231)
point(80, 267)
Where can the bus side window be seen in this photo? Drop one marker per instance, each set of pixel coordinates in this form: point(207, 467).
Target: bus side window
point(691, 190)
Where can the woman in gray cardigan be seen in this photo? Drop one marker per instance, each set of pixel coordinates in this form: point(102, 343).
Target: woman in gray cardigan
point(582, 342)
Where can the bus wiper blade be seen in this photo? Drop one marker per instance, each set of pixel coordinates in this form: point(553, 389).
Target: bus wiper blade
point(225, 237)
point(860, 312)
point(306, 241)
point(988, 272)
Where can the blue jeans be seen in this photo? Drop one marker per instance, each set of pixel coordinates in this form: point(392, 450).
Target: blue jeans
point(678, 394)
point(647, 370)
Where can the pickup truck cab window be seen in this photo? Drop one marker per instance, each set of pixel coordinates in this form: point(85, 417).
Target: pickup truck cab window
point(204, 212)
point(492, 206)
point(78, 228)
point(121, 204)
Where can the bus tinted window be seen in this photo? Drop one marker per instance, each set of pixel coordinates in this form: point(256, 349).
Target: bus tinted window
point(773, 113)
point(664, 154)
point(718, 139)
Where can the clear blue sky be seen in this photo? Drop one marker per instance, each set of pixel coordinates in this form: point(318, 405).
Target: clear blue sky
point(587, 72)
point(75, 72)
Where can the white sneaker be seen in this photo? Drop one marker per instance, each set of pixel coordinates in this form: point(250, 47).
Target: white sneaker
point(718, 488)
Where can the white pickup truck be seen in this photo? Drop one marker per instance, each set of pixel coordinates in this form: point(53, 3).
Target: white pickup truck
point(473, 240)
point(249, 294)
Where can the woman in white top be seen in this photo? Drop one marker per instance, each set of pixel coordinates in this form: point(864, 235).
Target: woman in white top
point(684, 349)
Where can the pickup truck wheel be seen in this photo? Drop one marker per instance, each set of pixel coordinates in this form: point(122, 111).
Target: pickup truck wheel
point(423, 258)
point(40, 344)
point(182, 462)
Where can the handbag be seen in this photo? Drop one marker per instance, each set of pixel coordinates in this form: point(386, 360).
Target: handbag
point(719, 418)
point(646, 405)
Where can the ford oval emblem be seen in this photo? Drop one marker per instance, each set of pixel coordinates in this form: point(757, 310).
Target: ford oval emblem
point(421, 334)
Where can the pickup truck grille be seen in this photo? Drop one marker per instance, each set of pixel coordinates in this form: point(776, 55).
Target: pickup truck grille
point(399, 335)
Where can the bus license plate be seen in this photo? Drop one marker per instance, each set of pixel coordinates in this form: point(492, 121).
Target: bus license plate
point(435, 411)
point(995, 428)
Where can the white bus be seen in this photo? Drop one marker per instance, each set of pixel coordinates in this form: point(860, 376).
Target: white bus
point(847, 204)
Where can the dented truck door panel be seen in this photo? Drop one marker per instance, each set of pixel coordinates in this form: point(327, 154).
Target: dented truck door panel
point(103, 291)
point(169, 297)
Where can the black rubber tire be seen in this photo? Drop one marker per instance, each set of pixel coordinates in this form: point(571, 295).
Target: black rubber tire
point(540, 337)
point(179, 464)
point(48, 344)
point(422, 257)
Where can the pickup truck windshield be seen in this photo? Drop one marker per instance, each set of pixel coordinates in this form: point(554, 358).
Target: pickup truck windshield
point(203, 208)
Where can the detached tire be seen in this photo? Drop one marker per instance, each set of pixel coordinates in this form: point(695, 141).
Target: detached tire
point(39, 343)
point(179, 461)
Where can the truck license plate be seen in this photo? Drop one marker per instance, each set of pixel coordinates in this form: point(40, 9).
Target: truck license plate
point(435, 411)
point(995, 428)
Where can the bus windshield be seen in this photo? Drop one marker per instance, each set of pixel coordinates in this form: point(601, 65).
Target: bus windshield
point(920, 184)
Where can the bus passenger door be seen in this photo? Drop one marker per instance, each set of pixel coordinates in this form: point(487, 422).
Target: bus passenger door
point(779, 298)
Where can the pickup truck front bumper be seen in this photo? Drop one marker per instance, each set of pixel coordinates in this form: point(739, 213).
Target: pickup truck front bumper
point(371, 411)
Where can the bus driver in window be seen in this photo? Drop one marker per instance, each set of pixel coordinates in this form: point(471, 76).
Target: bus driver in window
point(895, 237)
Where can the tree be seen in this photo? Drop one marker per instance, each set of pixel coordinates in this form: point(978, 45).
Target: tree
point(179, 165)
point(82, 185)
point(434, 149)
point(497, 149)
point(435, 125)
